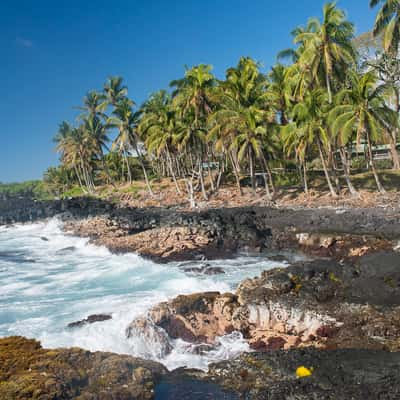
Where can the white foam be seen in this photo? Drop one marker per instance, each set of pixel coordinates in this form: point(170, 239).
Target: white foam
point(51, 288)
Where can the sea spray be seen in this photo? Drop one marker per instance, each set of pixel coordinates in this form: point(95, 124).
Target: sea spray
point(50, 279)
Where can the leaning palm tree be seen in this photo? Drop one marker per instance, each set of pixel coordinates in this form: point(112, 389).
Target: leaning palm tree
point(66, 141)
point(327, 46)
point(387, 24)
point(362, 109)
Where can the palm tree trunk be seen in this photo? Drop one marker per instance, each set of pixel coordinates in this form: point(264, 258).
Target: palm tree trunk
point(221, 170)
point(178, 190)
point(334, 170)
point(79, 179)
point(203, 189)
point(128, 168)
point(105, 167)
point(235, 173)
point(269, 172)
point(371, 160)
point(252, 176)
point(346, 170)
point(395, 134)
point(210, 173)
point(328, 179)
point(146, 178)
point(305, 177)
point(189, 188)
point(266, 184)
point(328, 86)
point(393, 150)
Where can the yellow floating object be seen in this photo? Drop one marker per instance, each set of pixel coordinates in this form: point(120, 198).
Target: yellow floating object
point(303, 372)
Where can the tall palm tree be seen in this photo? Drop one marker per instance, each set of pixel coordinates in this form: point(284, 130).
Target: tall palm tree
point(327, 46)
point(278, 92)
point(247, 132)
point(309, 118)
point(192, 93)
point(243, 119)
point(77, 151)
point(192, 96)
point(158, 127)
point(126, 120)
point(387, 24)
point(387, 68)
point(296, 142)
point(362, 109)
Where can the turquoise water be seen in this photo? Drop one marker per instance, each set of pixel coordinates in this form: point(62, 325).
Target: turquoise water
point(49, 279)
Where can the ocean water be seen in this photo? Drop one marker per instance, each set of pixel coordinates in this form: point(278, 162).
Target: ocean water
point(49, 279)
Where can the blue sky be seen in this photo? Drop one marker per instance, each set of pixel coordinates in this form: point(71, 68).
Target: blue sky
point(53, 52)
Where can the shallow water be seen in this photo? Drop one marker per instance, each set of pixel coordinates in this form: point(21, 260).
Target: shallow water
point(49, 279)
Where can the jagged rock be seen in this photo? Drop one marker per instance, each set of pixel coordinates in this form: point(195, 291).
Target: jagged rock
point(320, 303)
point(212, 233)
point(90, 320)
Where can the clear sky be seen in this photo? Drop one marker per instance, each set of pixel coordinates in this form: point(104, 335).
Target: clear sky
point(54, 51)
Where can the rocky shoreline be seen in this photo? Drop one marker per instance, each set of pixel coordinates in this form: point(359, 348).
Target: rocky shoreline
point(337, 315)
point(169, 235)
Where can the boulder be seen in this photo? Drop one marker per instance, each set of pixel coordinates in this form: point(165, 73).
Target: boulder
point(149, 336)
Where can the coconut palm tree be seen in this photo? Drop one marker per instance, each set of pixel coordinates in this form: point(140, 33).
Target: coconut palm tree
point(387, 24)
point(158, 127)
point(246, 130)
point(310, 124)
point(114, 90)
point(296, 142)
point(328, 48)
point(278, 92)
point(192, 93)
point(94, 104)
point(362, 109)
point(126, 121)
point(387, 68)
point(192, 96)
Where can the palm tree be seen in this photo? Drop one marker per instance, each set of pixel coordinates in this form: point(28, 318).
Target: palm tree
point(387, 24)
point(387, 68)
point(192, 93)
point(158, 126)
point(362, 109)
point(296, 142)
point(126, 120)
point(78, 150)
point(94, 104)
point(247, 132)
point(278, 92)
point(327, 47)
point(114, 90)
point(309, 118)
